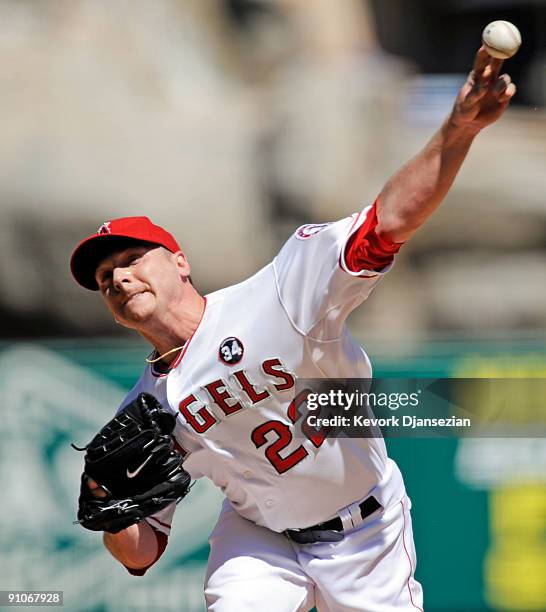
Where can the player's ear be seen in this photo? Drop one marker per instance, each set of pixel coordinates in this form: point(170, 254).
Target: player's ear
point(183, 265)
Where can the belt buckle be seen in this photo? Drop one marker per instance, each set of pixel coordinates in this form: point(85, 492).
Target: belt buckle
point(351, 516)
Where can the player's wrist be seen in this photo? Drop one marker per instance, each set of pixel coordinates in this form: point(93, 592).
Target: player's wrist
point(456, 128)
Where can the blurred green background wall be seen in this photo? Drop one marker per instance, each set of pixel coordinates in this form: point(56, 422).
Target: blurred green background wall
point(479, 530)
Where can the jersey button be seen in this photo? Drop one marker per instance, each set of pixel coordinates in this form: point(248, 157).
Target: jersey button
point(269, 503)
point(247, 474)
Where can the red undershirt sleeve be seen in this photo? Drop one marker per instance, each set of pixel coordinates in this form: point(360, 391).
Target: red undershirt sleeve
point(365, 250)
point(162, 540)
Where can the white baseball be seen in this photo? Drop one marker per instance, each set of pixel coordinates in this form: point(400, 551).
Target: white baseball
point(501, 39)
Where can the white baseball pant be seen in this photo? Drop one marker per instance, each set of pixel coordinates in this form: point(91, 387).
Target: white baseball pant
point(371, 570)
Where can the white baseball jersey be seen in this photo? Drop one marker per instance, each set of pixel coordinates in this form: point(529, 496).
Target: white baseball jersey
point(232, 387)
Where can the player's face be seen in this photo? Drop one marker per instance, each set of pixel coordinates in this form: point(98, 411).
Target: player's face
point(139, 282)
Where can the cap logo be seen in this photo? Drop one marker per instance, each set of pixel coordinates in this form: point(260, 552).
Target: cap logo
point(105, 228)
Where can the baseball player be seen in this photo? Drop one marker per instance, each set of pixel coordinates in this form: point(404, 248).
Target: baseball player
point(305, 522)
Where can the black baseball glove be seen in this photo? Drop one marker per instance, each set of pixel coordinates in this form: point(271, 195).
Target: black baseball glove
point(133, 460)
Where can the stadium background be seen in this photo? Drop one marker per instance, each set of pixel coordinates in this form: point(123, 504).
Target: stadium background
point(232, 122)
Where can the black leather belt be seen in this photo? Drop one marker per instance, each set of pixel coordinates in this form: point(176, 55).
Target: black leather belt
point(332, 530)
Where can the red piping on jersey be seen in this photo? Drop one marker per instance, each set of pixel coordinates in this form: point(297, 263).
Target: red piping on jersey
point(355, 222)
point(178, 447)
point(409, 558)
point(160, 522)
point(183, 352)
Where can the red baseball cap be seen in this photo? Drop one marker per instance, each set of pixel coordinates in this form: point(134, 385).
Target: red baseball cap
point(117, 233)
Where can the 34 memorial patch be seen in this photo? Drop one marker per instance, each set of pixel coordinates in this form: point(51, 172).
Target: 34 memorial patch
point(231, 350)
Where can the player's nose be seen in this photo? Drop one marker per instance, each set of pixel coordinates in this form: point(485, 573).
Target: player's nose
point(121, 278)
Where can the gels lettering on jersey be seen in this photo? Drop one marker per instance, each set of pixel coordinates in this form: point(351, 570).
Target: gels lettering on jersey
point(232, 395)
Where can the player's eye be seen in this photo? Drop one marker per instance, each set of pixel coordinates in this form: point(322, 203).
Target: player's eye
point(134, 258)
point(104, 277)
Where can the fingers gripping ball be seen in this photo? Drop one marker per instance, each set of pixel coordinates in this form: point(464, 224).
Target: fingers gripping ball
point(133, 461)
point(501, 39)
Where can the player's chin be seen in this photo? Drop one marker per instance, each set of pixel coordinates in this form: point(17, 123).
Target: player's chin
point(137, 317)
point(139, 310)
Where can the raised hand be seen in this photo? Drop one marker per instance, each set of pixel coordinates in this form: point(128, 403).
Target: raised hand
point(485, 95)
